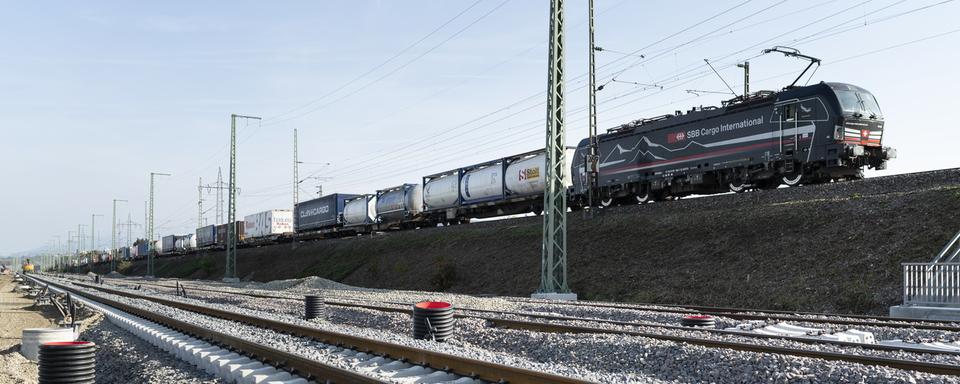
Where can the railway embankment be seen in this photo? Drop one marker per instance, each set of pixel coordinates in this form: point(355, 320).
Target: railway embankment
point(834, 247)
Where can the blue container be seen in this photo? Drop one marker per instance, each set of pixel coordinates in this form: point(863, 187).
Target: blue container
point(321, 213)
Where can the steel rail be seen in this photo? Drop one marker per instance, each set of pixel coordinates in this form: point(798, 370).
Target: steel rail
point(701, 309)
point(560, 329)
point(307, 368)
point(805, 340)
point(775, 315)
point(919, 366)
point(935, 368)
point(713, 311)
point(441, 361)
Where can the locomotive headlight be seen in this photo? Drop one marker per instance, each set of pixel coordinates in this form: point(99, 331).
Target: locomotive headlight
point(889, 153)
point(856, 150)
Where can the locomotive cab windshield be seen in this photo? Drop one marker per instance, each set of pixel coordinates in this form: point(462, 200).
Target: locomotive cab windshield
point(857, 102)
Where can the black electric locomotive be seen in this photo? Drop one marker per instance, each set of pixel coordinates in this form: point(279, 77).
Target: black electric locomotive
point(801, 135)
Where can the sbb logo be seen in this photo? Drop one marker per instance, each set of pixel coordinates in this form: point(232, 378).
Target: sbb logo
point(675, 137)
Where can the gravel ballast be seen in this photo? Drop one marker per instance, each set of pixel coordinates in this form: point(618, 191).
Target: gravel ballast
point(124, 358)
point(598, 357)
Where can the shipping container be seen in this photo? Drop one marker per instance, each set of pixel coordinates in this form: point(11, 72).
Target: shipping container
point(268, 223)
point(504, 186)
point(141, 250)
point(442, 191)
point(222, 233)
point(206, 236)
point(185, 242)
point(482, 183)
point(168, 244)
point(497, 180)
point(321, 213)
point(399, 203)
point(526, 176)
point(361, 210)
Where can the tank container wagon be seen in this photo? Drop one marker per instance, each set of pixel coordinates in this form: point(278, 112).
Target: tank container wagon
point(801, 135)
point(322, 216)
point(400, 207)
point(505, 186)
point(360, 213)
point(267, 226)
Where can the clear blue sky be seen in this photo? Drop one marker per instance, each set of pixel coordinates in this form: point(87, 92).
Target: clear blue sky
point(95, 95)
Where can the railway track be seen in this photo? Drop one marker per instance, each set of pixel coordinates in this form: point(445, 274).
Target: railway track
point(753, 314)
point(733, 313)
point(306, 368)
point(537, 326)
point(507, 323)
point(462, 366)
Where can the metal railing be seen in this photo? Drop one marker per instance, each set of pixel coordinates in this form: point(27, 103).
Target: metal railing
point(952, 248)
point(931, 283)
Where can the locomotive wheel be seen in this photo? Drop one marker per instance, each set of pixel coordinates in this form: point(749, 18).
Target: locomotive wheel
point(606, 202)
point(738, 186)
point(643, 198)
point(792, 180)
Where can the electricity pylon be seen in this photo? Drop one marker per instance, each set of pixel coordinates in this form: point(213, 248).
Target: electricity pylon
point(150, 249)
point(230, 274)
point(553, 273)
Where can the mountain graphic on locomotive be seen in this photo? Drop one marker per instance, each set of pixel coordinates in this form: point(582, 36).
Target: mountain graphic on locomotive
point(801, 135)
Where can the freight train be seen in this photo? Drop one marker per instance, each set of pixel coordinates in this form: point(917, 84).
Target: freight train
point(801, 135)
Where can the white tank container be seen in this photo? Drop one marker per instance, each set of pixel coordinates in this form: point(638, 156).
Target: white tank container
point(361, 210)
point(34, 337)
point(441, 192)
point(524, 177)
point(481, 183)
